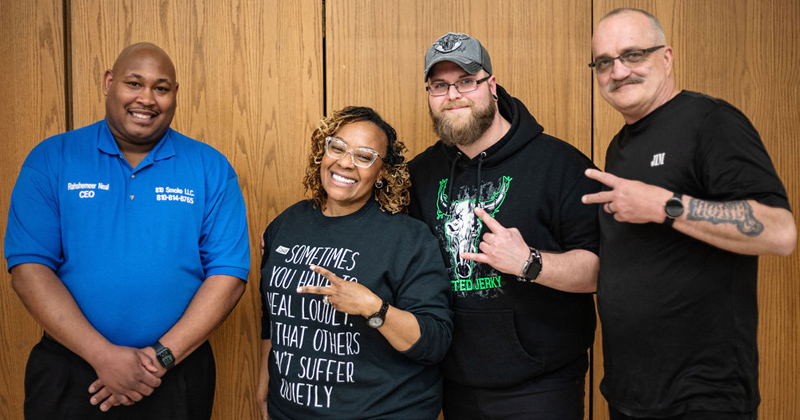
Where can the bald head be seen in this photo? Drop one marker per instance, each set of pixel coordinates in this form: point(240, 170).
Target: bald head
point(140, 50)
point(655, 26)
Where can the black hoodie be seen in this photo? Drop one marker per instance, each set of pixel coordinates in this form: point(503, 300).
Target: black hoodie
point(507, 331)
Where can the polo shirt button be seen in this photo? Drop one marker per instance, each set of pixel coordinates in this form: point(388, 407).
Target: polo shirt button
point(131, 197)
point(133, 176)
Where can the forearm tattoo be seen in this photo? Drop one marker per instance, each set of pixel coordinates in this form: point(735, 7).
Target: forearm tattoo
point(738, 213)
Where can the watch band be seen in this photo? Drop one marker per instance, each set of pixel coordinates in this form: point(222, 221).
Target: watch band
point(377, 319)
point(164, 355)
point(534, 261)
point(673, 208)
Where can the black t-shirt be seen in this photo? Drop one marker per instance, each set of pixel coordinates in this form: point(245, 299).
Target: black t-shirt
point(680, 316)
point(326, 364)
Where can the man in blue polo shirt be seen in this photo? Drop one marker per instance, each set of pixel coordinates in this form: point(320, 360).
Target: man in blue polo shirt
point(127, 242)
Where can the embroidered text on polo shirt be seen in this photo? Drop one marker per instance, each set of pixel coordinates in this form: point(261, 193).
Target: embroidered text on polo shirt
point(86, 189)
point(183, 195)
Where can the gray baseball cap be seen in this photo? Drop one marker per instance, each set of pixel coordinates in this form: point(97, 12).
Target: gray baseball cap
point(461, 49)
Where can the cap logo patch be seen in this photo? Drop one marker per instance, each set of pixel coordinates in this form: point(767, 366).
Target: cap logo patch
point(449, 42)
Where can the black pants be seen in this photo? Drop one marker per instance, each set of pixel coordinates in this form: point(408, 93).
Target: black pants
point(57, 383)
point(692, 415)
point(540, 399)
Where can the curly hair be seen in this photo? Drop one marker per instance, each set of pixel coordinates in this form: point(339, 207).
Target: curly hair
point(393, 196)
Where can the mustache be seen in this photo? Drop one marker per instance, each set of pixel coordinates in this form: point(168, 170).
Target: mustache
point(458, 104)
point(632, 80)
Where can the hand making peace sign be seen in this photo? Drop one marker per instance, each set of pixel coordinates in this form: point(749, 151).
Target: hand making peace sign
point(629, 201)
point(345, 296)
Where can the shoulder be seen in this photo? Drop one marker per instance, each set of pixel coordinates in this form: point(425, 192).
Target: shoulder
point(401, 227)
point(194, 152)
point(75, 143)
point(559, 152)
point(301, 208)
point(434, 153)
point(706, 106)
point(184, 143)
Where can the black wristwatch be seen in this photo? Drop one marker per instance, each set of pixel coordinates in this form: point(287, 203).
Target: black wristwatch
point(674, 209)
point(532, 268)
point(376, 320)
point(164, 356)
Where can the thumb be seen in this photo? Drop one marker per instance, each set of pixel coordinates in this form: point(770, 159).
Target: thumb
point(148, 363)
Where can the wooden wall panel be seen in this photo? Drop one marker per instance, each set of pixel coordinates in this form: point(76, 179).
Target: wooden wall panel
point(250, 85)
point(746, 52)
point(375, 56)
point(32, 88)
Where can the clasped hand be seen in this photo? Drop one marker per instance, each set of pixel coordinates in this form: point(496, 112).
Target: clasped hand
point(125, 375)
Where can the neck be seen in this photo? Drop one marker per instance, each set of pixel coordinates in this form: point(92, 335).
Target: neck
point(134, 153)
point(496, 131)
point(334, 209)
point(666, 95)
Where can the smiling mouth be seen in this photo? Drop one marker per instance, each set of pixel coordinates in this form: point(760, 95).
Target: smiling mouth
point(142, 116)
point(339, 178)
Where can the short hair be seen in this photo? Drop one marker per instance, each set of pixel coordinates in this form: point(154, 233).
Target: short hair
point(654, 23)
point(393, 196)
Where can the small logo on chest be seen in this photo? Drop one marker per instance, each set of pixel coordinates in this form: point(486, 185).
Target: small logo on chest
point(658, 159)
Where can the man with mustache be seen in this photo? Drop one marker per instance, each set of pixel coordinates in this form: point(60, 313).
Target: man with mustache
point(504, 200)
point(127, 242)
point(691, 200)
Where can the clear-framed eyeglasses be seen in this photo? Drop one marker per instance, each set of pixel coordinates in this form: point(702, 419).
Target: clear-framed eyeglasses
point(363, 157)
point(465, 85)
point(630, 59)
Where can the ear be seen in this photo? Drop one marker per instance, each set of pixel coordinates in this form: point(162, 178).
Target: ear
point(493, 86)
point(669, 55)
point(108, 77)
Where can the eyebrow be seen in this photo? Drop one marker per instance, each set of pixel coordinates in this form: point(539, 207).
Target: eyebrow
point(625, 51)
point(158, 81)
point(464, 76)
point(355, 148)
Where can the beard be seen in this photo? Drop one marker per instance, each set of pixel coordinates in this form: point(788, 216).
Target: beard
point(466, 132)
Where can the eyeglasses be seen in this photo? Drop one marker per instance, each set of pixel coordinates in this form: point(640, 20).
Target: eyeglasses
point(630, 59)
point(363, 157)
point(462, 86)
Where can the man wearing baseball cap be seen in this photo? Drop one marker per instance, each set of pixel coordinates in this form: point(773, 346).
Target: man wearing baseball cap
point(504, 199)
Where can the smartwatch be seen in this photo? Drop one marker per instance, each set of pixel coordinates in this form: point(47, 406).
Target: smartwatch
point(376, 320)
point(164, 355)
point(532, 268)
point(674, 209)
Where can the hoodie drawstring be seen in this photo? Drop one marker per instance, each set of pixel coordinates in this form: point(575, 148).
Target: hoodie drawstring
point(478, 184)
point(452, 174)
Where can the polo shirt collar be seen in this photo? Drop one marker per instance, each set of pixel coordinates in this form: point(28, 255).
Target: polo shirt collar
point(164, 149)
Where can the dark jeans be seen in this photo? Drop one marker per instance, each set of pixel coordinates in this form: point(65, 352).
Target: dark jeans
point(57, 382)
point(540, 399)
point(692, 415)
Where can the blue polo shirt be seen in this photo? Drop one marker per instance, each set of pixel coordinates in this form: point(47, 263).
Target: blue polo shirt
point(131, 245)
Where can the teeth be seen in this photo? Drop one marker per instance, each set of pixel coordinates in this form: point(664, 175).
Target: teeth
point(343, 179)
point(142, 116)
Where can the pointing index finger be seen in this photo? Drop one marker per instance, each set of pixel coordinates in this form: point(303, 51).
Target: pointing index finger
point(491, 223)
